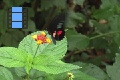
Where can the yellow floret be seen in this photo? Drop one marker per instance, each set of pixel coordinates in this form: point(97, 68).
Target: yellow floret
point(70, 75)
point(39, 42)
point(34, 36)
point(43, 33)
point(48, 40)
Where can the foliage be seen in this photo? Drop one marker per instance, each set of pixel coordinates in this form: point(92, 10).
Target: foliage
point(42, 57)
point(92, 37)
point(113, 71)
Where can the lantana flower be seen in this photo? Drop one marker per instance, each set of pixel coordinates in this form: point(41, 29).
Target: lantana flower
point(41, 38)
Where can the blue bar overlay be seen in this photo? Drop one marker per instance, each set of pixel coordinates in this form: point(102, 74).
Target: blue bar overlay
point(16, 16)
point(16, 24)
point(16, 9)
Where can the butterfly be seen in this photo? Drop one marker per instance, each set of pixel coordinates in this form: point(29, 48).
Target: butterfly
point(56, 27)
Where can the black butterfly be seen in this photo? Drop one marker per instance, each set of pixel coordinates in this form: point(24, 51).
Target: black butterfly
point(56, 27)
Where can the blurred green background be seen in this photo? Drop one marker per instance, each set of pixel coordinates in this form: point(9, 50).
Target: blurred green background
point(92, 29)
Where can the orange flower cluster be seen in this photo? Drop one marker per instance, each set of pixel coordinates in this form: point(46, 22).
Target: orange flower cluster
point(41, 38)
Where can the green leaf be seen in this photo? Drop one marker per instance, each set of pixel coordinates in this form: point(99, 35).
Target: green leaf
point(97, 43)
point(57, 50)
point(92, 70)
point(82, 76)
point(2, 78)
point(29, 45)
point(11, 3)
point(114, 22)
point(44, 58)
point(50, 64)
point(50, 77)
point(115, 26)
point(76, 40)
point(78, 75)
point(28, 64)
point(114, 70)
point(113, 47)
point(101, 28)
point(116, 9)
point(5, 74)
point(20, 71)
point(31, 26)
point(79, 2)
point(109, 7)
point(37, 75)
point(109, 3)
point(3, 20)
point(31, 13)
point(15, 76)
point(12, 57)
point(101, 13)
point(46, 4)
point(12, 37)
point(73, 19)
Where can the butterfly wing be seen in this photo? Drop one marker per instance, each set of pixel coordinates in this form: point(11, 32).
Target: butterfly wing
point(56, 27)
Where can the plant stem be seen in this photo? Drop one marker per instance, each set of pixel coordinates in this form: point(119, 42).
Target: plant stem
point(32, 62)
point(70, 78)
point(27, 76)
point(101, 35)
